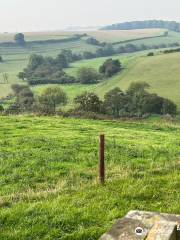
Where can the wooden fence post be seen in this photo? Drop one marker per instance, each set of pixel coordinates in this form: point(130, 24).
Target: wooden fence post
point(101, 159)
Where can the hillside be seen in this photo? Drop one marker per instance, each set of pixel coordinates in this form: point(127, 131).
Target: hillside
point(49, 183)
point(162, 72)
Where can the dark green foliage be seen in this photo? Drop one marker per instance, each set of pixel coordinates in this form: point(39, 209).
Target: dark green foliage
point(24, 99)
point(169, 107)
point(21, 75)
point(172, 50)
point(19, 39)
point(110, 67)
point(93, 41)
point(1, 59)
point(115, 102)
point(89, 55)
point(136, 101)
point(107, 50)
point(87, 75)
point(1, 108)
point(44, 70)
point(150, 54)
point(50, 99)
point(170, 25)
point(88, 102)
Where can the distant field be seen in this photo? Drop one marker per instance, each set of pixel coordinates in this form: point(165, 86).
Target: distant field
point(49, 175)
point(107, 36)
point(122, 35)
point(33, 36)
point(173, 37)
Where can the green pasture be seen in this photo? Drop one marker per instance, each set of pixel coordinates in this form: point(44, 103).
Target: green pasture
point(49, 175)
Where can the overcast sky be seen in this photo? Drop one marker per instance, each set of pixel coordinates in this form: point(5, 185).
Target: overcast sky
point(34, 15)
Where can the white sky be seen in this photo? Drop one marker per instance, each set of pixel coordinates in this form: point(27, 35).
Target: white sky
point(34, 15)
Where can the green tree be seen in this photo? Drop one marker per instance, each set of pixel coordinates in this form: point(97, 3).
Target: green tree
point(1, 59)
point(19, 38)
point(24, 98)
point(87, 75)
point(88, 102)
point(51, 98)
point(21, 75)
point(115, 102)
point(110, 67)
point(169, 107)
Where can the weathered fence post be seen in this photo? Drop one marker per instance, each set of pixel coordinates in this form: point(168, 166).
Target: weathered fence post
point(101, 159)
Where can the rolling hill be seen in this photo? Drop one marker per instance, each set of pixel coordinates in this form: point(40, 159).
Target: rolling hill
point(161, 71)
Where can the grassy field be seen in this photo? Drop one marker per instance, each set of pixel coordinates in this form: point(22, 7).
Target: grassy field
point(49, 182)
point(172, 37)
point(122, 35)
point(34, 36)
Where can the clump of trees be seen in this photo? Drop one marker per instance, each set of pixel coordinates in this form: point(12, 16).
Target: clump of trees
point(135, 102)
point(170, 25)
point(110, 67)
point(19, 39)
point(45, 103)
point(87, 75)
point(23, 99)
point(94, 41)
point(43, 70)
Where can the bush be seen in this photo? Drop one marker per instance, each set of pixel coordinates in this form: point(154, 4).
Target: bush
point(110, 67)
point(150, 54)
point(88, 102)
point(50, 99)
point(87, 75)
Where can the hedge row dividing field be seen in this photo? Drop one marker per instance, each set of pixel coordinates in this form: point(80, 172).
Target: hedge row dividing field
point(49, 182)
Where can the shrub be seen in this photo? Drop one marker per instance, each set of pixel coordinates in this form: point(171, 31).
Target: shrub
point(88, 102)
point(87, 75)
point(110, 67)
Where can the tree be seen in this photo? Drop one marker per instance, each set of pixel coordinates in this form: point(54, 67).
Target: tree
point(1, 108)
point(24, 98)
point(52, 97)
point(115, 102)
point(21, 75)
point(1, 59)
point(150, 54)
point(19, 38)
point(61, 61)
point(93, 41)
point(88, 55)
point(88, 102)
point(110, 67)
point(87, 75)
point(169, 107)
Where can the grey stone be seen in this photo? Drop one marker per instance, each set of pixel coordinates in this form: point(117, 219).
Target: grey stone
point(155, 226)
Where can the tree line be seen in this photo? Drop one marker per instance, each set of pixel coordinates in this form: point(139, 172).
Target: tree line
point(135, 102)
point(44, 70)
point(170, 25)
